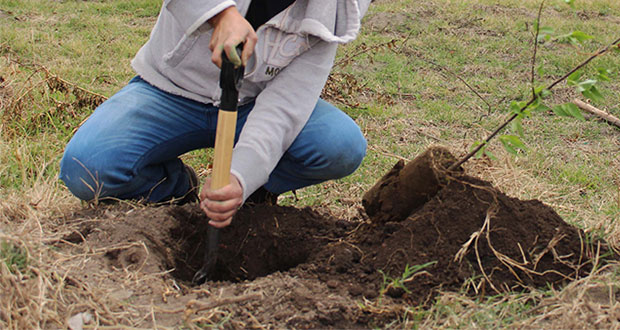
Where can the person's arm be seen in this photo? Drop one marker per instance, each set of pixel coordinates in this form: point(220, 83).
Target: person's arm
point(280, 112)
point(191, 14)
point(229, 27)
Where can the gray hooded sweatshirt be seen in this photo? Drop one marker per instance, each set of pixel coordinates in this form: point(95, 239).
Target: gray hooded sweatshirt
point(285, 75)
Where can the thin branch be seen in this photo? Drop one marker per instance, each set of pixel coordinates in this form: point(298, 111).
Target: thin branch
point(533, 76)
point(345, 60)
point(616, 43)
point(449, 72)
point(474, 91)
point(194, 306)
point(597, 112)
point(49, 75)
point(532, 100)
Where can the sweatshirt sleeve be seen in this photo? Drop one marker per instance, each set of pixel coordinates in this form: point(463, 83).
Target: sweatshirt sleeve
point(191, 14)
point(280, 112)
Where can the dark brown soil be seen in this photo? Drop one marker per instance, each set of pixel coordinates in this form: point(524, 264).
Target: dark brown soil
point(469, 230)
point(407, 187)
point(313, 270)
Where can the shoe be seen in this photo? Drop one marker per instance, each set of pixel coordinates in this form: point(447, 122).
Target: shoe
point(263, 196)
point(192, 194)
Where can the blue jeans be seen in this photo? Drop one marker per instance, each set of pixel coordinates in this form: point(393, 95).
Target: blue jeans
point(129, 147)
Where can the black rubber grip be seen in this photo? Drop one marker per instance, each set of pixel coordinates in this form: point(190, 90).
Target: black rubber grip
point(230, 81)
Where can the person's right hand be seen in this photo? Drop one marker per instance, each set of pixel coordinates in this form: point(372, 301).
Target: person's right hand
point(229, 30)
point(221, 204)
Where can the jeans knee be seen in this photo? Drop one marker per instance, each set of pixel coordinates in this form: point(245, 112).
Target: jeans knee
point(347, 155)
point(72, 173)
point(83, 174)
point(357, 152)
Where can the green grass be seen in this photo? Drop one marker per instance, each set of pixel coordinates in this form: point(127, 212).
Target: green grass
point(86, 42)
point(14, 257)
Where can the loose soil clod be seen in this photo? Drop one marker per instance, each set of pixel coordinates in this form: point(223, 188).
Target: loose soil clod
point(407, 187)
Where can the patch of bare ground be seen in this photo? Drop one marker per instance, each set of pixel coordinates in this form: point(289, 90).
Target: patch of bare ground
point(127, 265)
point(388, 22)
point(510, 12)
point(587, 15)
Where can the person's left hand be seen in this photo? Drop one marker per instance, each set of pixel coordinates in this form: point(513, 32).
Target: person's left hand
point(220, 205)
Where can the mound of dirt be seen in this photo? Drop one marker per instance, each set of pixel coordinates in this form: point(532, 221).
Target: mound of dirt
point(468, 231)
point(467, 236)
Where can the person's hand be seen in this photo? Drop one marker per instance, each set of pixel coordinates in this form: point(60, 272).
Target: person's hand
point(220, 205)
point(229, 30)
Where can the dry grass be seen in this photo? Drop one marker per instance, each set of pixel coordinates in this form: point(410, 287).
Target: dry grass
point(584, 304)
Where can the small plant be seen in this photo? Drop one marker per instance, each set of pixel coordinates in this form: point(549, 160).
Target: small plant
point(14, 257)
point(524, 109)
point(399, 282)
point(218, 324)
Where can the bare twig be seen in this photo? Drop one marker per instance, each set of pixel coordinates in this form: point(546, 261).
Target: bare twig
point(194, 306)
point(597, 112)
point(474, 91)
point(51, 76)
point(365, 49)
point(533, 76)
point(449, 72)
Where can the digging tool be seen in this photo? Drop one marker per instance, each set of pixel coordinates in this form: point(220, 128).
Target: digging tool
point(230, 82)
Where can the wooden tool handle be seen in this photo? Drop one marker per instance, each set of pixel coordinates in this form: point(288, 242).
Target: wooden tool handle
point(224, 141)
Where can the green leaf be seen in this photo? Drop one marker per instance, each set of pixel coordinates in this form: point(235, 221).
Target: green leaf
point(546, 30)
point(575, 37)
point(573, 79)
point(541, 108)
point(512, 143)
point(586, 84)
point(480, 152)
point(560, 111)
point(570, 3)
point(542, 92)
point(603, 74)
point(574, 111)
point(544, 33)
point(515, 107)
point(593, 94)
point(507, 146)
point(489, 154)
point(527, 112)
point(568, 110)
point(580, 36)
point(517, 126)
point(515, 141)
point(539, 89)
